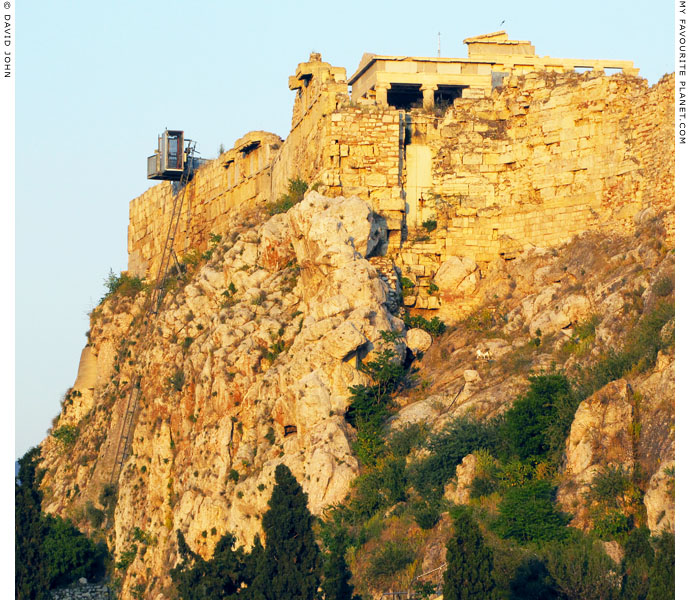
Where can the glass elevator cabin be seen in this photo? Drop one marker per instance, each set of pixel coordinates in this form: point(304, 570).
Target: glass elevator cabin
point(170, 159)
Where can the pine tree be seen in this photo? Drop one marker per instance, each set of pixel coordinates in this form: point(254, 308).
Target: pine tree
point(31, 574)
point(469, 562)
point(289, 566)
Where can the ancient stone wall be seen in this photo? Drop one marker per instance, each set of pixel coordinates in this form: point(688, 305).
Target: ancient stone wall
point(547, 156)
point(240, 177)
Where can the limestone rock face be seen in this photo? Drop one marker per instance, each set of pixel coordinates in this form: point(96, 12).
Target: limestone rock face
point(659, 499)
point(458, 491)
point(247, 366)
point(599, 435)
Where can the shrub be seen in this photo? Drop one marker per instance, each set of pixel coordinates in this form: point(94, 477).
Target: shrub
point(401, 442)
point(234, 475)
point(122, 284)
point(528, 514)
point(177, 380)
point(407, 286)
point(609, 485)
point(426, 514)
point(435, 326)
point(580, 568)
point(390, 559)
point(538, 423)
point(70, 554)
point(94, 515)
point(610, 524)
point(663, 286)
point(296, 189)
point(67, 434)
point(429, 225)
point(433, 288)
point(582, 337)
point(127, 558)
point(459, 438)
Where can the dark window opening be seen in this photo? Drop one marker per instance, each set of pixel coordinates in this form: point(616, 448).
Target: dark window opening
point(290, 429)
point(249, 147)
point(405, 96)
point(445, 94)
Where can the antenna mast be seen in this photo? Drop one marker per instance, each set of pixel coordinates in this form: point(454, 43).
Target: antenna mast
point(439, 44)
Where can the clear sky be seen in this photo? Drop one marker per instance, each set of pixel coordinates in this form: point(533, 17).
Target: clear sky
point(96, 82)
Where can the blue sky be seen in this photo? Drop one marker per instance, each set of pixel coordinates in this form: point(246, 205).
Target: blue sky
point(96, 82)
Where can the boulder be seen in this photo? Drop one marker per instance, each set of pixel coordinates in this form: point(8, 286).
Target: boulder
point(457, 275)
point(418, 340)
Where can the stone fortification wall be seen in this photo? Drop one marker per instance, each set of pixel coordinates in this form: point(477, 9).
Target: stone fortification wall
point(238, 178)
point(545, 158)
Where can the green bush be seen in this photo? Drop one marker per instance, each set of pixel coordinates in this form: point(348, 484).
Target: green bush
point(538, 423)
point(390, 559)
point(426, 514)
point(94, 515)
point(435, 326)
point(296, 189)
point(580, 568)
point(639, 351)
point(429, 225)
point(122, 284)
point(70, 554)
point(402, 441)
point(127, 558)
point(177, 380)
point(610, 524)
point(67, 434)
point(528, 513)
point(407, 286)
point(609, 486)
point(459, 438)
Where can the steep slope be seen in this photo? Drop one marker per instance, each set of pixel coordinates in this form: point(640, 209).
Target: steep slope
point(254, 351)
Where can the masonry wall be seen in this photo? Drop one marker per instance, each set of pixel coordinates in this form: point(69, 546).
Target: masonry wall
point(545, 158)
point(239, 178)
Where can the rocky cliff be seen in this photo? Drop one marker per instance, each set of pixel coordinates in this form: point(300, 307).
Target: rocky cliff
point(254, 349)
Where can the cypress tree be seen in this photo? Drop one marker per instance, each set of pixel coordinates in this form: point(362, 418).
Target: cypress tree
point(289, 566)
point(31, 574)
point(469, 562)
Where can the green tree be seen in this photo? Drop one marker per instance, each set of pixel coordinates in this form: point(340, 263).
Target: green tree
point(219, 578)
point(528, 513)
point(69, 554)
point(336, 573)
point(31, 574)
point(469, 562)
point(538, 423)
point(639, 556)
point(291, 565)
point(581, 569)
point(663, 572)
